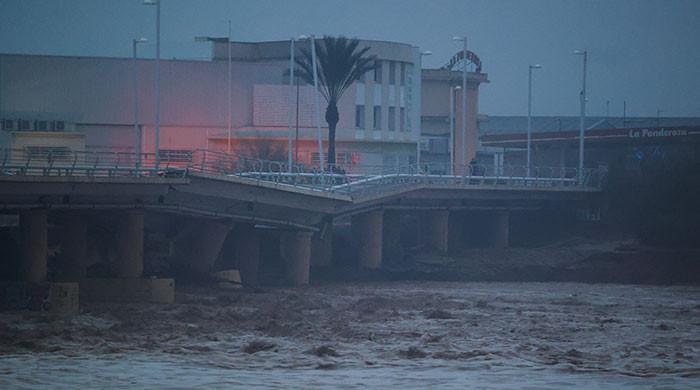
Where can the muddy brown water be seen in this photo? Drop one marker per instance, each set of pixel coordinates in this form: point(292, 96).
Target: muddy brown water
point(377, 335)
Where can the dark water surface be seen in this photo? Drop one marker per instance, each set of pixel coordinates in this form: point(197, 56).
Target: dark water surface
point(377, 335)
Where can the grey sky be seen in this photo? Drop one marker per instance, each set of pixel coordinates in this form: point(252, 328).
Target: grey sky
point(642, 51)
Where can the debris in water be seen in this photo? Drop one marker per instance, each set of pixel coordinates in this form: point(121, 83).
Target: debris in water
point(258, 345)
point(324, 350)
point(413, 353)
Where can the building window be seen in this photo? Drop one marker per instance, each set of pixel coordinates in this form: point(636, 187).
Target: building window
point(359, 117)
point(392, 72)
point(41, 125)
point(403, 73)
point(377, 117)
point(8, 124)
point(402, 119)
point(23, 124)
point(377, 71)
point(392, 118)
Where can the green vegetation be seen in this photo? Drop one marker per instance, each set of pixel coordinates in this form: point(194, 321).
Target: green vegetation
point(339, 64)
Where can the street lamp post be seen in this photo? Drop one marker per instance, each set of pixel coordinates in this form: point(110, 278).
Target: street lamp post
point(157, 129)
point(462, 143)
point(453, 90)
point(291, 103)
point(137, 130)
point(229, 92)
point(582, 121)
point(317, 104)
point(529, 115)
point(418, 141)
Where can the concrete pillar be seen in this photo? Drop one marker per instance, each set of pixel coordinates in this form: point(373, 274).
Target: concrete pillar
point(391, 237)
point(247, 253)
point(501, 229)
point(436, 229)
point(129, 262)
point(367, 229)
point(74, 248)
point(34, 237)
point(198, 246)
point(322, 246)
point(295, 248)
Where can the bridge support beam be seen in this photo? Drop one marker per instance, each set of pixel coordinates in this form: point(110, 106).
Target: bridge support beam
point(295, 248)
point(34, 240)
point(198, 247)
point(392, 252)
point(367, 229)
point(74, 246)
point(322, 246)
point(247, 253)
point(129, 262)
point(436, 230)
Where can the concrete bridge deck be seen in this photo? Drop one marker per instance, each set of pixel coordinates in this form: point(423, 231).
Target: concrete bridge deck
point(217, 195)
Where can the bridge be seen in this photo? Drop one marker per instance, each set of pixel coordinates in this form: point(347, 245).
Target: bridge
point(208, 198)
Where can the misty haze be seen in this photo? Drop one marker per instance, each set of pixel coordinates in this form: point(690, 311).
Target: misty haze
point(349, 194)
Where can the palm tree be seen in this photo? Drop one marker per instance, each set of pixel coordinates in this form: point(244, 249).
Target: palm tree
point(339, 64)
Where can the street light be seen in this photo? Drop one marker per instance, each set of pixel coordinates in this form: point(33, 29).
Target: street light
point(157, 130)
point(453, 90)
point(464, 98)
point(137, 132)
point(529, 114)
point(228, 43)
point(582, 121)
point(291, 103)
point(420, 66)
point(317, 104)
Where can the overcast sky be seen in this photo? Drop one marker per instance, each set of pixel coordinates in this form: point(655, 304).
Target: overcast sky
point(646, 52)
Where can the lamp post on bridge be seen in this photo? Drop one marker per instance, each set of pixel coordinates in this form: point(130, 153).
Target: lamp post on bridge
point(156, 145)
point(529, 115)
point(228, 75)
point(135, 76)
point(451, 141)
point(418, 141)
point(582, 120)
point(464, 100)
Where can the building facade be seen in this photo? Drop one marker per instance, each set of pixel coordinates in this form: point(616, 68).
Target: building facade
point(87, 103)
point(607, 141)
point(444, 148)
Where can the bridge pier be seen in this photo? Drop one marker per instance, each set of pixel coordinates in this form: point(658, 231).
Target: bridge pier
point(33, 225)
point(295, 248)
point(391, 237)
point(129, 235)
point(322, 246)
point(247, 253)
point(500, 229)
point(367, 229)
point(436, 229)
point(198, 247)
point(74, 245)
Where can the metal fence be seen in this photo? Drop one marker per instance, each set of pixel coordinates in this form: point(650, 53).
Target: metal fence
point(340, 178)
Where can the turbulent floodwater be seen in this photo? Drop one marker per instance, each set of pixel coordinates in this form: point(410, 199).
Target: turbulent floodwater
point(407, 334)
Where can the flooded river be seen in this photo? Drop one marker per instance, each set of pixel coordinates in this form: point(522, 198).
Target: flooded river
point(377, 335)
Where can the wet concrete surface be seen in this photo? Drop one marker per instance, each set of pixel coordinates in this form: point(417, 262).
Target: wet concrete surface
point(379, 334)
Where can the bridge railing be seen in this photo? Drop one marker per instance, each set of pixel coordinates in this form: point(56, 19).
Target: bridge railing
point(339, 178)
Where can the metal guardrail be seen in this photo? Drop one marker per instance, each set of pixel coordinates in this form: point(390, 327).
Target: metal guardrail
point(345, 179)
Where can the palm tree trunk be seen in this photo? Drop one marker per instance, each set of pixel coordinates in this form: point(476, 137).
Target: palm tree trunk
point(332, 117)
